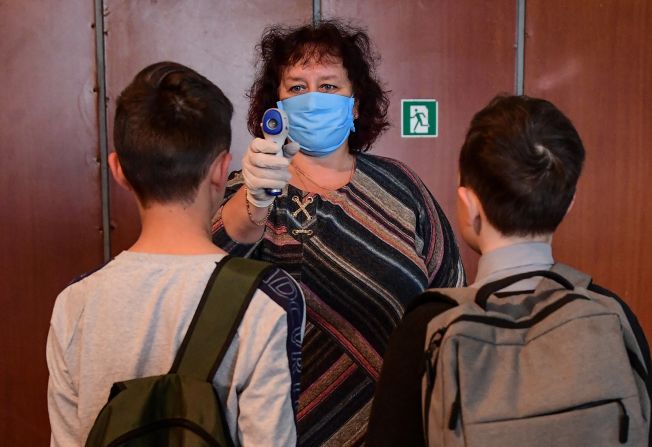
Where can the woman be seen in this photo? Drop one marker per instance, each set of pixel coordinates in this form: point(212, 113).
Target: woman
point(360, 233)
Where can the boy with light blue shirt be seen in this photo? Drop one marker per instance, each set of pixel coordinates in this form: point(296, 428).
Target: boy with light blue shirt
point(519, 166)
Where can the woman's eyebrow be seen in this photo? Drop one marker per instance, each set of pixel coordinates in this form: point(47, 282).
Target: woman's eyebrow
point(330, 77)
point(324, 78)
point(294, 78)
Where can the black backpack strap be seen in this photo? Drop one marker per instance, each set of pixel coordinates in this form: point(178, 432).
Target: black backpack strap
point(452, 296)
point(428, 296)
point(219, 312)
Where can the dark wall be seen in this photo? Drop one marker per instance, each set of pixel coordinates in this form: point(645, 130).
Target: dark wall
point(428, 51)
point(594, 60)
point(50, 203)
point(591, 58)
point(215, 38)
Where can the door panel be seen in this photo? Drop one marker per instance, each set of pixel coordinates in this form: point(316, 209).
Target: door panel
point(50, 192)
point(460, 53)
point(215, 38)
point(592, 60)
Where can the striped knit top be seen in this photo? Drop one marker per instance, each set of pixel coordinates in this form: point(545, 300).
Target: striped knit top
point(361, 254)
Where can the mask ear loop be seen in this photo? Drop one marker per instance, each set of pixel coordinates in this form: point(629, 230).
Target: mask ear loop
point(355, 111)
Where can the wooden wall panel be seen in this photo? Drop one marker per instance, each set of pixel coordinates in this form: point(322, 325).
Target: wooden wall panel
point(590, 58)
point(49, 190)
point(458, 52)
point(215, 38)
point(594, 60)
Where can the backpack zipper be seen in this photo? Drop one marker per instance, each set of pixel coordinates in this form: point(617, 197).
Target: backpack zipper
point(433, 345)
point(623, 431)
point(456, 408)
point(623, 426)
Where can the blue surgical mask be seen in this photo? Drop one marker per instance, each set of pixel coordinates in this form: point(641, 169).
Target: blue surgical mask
point(319, 122)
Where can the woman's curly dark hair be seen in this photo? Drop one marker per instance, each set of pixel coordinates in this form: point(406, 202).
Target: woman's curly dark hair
point(281, 47)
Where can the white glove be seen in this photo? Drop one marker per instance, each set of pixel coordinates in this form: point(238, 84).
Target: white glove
point(263, 169)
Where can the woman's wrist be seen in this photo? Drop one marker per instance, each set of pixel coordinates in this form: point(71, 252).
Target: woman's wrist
point(250, 213)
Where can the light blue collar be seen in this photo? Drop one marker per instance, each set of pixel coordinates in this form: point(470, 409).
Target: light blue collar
point(513, 259)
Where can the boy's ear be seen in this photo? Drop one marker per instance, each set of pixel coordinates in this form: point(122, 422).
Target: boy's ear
point(219, 170)
point(472, 213)
point(469, 216)
point(570, 207)
point(116, 171)
point(470, 203)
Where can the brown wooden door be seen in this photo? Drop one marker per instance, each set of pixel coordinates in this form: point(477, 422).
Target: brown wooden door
point(460, 53)
point(50, 203)
point(594, 60)
point(215, 38)
point(591, 58)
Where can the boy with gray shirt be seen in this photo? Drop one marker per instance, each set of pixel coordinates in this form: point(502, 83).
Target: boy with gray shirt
point(172, 135)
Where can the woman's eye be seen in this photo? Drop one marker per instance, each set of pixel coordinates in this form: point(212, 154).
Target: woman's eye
point(328, 87)
point(296, 88)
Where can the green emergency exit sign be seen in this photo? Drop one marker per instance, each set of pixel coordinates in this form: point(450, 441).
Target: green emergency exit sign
point(419, 118)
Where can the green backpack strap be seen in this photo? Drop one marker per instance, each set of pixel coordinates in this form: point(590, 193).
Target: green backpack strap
point(219, 312)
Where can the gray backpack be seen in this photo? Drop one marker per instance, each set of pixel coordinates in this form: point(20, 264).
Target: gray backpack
point(557, 367)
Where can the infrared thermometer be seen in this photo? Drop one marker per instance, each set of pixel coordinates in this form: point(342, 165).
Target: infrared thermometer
point(275, 128)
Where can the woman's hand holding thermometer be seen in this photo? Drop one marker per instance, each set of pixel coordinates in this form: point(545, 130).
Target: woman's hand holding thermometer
point(265, 165)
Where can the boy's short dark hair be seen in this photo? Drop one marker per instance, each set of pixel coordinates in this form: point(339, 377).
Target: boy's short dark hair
point(522, 157)
point(171, 123)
